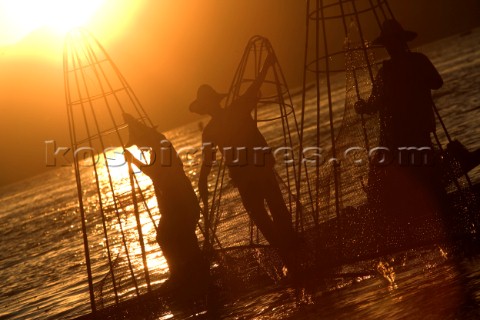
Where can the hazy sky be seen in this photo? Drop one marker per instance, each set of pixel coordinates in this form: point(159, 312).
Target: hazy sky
point(166, 49)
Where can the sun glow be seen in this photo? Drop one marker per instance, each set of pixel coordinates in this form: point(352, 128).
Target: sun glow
point(18, 18)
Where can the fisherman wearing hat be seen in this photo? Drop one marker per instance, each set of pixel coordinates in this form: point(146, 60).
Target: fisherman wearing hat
point(233, 129)
point(401, 92)
point(402, 95)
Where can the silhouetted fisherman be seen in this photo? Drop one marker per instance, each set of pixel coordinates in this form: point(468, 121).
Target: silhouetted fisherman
point(401, 91)
point(235, 132)
point(178, 206)
point(407, 187)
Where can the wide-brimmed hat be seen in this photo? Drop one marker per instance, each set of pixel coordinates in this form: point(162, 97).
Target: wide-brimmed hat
point(206, 97)
point(391, 29)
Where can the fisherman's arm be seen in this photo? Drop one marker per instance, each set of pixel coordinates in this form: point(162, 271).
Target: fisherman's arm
point(148, 168)
point(131, 159)
point(429, 73)
point(253, 90)
point(434, 78)
point(373, 104)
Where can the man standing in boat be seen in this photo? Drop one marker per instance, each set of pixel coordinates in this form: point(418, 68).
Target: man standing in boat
point(234, 131)
point(409, 186)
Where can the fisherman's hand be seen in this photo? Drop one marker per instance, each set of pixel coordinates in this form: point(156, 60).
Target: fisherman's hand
point(360, 106)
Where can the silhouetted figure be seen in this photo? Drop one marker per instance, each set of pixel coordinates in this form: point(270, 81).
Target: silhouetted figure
point(405, 188)
point(178, 206)
point(235, 132)
point(401, 91)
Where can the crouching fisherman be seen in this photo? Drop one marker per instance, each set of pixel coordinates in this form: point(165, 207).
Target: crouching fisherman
point(179, 210)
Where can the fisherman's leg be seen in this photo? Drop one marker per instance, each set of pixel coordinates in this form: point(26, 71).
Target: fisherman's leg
point(278, 209)
point(278, 238)
point(189, 271)
point(290, 245)
point(186, 242)
point(166, 240)
point(192, 265)
point(289, 242)
point(253, 202)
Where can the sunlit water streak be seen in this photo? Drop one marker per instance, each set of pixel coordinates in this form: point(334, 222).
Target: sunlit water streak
point(41, 250)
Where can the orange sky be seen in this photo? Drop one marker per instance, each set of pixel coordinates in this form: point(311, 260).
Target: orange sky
point(165, 49)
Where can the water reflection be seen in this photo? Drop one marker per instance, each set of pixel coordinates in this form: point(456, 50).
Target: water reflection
point(117, 233)
point(388, 273)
